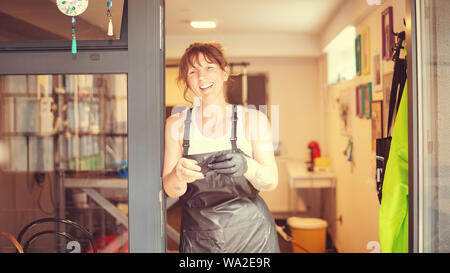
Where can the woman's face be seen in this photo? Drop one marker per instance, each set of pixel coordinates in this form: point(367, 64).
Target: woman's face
point(206, 79)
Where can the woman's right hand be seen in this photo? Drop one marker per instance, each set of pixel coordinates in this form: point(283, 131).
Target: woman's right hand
point(187, 170)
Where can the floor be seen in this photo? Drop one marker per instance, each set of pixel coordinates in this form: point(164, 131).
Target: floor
point(174, 220)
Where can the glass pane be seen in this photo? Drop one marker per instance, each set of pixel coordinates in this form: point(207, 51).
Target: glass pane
point(41, 20)
point(63, 155)
point(434, 128)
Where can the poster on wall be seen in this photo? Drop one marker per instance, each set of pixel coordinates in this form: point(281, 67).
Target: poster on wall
point(345, 114)
point(377, 77)
point(366, 100)
point(358, 105)
point(358, 54)
point(365, 51)
point(377, 122)
point(387, 35)
point(387, 85)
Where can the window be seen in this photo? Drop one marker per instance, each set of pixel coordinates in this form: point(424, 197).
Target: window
point(341, 56)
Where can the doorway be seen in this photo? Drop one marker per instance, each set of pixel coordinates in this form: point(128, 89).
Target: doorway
point(72, 161)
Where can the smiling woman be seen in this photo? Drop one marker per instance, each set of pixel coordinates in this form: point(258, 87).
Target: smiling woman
point(218, 175)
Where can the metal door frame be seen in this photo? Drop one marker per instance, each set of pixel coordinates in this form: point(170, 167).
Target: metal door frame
point(413, 134)
point(140, 53)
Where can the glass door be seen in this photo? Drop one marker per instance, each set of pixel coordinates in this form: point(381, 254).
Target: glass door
point(433, 83)
point(77, 165)
point(64, 166)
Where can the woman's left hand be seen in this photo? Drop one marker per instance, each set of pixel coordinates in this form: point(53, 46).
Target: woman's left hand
point(233, 164)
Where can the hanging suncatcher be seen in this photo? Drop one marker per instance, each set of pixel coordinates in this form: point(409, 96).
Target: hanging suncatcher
point(108, 13)
point(72, 8)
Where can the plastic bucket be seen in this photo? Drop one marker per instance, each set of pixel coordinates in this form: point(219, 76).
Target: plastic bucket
point(309, 233)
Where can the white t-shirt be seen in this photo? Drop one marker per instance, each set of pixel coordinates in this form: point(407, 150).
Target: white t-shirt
point(199, 144)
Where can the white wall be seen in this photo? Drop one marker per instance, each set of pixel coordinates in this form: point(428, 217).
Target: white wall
point(174, 95)
point(293, 87)
point(356, 195)
point(255, 45)
point(352, 12)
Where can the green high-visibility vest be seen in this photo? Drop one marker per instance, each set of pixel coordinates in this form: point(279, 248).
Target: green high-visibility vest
point(393, 217)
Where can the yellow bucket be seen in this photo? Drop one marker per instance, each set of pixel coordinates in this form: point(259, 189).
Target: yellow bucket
point(309, 233)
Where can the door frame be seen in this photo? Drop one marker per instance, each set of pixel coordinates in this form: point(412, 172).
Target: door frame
point(140, 53)
point(413, 130)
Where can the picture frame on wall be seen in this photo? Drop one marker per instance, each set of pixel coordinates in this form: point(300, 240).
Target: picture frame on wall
point(345, 111)
point(366, 100)
point(358, 54)
point(387, 85)
point(365, 51)
point(358, 103)
point(387, 33)
point(377, 122)
point(377, 74)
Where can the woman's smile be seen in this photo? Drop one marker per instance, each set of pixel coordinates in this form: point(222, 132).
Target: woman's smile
point(206, 87)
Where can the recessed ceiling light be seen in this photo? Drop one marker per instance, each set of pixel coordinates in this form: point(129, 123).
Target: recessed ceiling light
point(203, 24)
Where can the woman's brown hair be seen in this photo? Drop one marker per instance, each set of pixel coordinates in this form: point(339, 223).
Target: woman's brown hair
point(213, 52)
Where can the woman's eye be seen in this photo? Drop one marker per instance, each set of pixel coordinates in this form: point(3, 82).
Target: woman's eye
point(192, 72)
point(210, 67)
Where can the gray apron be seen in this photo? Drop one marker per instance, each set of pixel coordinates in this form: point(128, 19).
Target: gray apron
point(221, 213)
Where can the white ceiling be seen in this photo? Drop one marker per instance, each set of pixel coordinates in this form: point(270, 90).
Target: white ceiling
point(250, 16)
point(245, 27)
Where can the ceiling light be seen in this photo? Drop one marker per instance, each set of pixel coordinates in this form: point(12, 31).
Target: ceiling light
point(203, 24)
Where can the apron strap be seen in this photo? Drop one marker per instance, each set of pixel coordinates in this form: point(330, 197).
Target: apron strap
point(398, 80)
point(187, 130)
point(233, 129)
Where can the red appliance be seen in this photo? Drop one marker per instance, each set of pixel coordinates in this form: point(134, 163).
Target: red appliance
point(314, 152)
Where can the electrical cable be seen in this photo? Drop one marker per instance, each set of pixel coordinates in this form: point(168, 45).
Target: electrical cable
point(288, 238)
point(13, 240)
point(39, 201)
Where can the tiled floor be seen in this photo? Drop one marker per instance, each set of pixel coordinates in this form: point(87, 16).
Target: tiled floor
point(174, 220)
